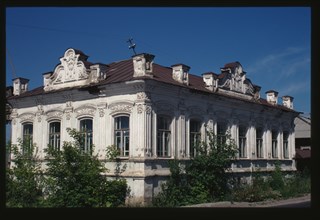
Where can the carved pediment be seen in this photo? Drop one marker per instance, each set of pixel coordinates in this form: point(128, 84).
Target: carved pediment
point(71, 71)
point(121, 107)
point(27, 117)
point(85, 111)
point(54, 114)
point(233, 78)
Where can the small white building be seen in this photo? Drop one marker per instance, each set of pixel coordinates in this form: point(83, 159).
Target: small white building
point(153, 114)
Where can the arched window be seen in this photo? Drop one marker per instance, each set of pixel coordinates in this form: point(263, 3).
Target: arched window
point(195, 136)
point(242, 141)
point(54, 135)
point(259, 142)
point(163, 136)
point(285, 145)
point(27, 138)
point(122, 134)
point(86, 135)
point(274, 150)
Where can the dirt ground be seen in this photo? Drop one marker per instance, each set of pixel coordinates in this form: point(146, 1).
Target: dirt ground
point(269, 203)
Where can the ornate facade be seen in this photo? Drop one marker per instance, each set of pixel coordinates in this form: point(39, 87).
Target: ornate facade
point(153, 114)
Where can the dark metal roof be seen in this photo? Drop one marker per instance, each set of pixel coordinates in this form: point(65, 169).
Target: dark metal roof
point(123, 71)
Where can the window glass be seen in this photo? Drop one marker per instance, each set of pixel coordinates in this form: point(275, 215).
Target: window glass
point(122, 135)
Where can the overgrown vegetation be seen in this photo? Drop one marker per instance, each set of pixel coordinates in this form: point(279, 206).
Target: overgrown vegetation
point(73, 178)
point(203, 179)
point(274, 186)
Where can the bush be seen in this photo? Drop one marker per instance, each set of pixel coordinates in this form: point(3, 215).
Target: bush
point(75, 179)
point(276, 186)
point(203, 179)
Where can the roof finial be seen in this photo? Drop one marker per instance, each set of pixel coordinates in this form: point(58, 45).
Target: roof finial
point(132, 45)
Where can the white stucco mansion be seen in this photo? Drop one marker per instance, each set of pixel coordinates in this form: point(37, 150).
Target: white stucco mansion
point(153, 113)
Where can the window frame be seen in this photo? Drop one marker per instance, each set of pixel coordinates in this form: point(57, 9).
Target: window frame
point(242, 138)
point(123, 138)
point(26, 136)
point(88, 136)
point(285, 144)
point(56, 139)
point(194, 136)
point(259, 143)
point(222, 129)
point(274, 144)
point(163, 147)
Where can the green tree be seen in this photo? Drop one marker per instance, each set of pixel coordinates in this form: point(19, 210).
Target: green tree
point(76, 179)
point(208, 168)
point(203, 178)
point(23, 178)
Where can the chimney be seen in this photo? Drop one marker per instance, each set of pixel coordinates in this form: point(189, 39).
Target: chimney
point(20, 85)
point(180, 73)
point(142, 64)
point(272, 97)
point(287, 101)
point(97, 72)
point(211, 81)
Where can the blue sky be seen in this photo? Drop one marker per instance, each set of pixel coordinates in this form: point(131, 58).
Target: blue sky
point(273, 44)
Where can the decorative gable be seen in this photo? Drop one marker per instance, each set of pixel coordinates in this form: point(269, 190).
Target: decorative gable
point(73, 70)
point(233, 79)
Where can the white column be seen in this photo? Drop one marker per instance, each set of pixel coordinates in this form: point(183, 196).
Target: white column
point(280, 138)
point(138, 131)
point(187, 141)
point(154, 132)
point(67, 121)
point(148, 130)
point(292, 147)
point(173, 138)
point(100, 144)
point(142, 134)
point(267, 141)
point(181, 136)
point(252, 154)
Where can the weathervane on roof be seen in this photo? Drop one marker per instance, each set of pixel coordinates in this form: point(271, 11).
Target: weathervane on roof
point(132, 45)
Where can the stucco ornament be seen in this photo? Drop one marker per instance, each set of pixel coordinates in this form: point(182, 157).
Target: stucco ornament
point(70, 70)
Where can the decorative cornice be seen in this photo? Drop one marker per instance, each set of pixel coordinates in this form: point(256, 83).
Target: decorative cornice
point(142, 96)
point(85, 110)
point(27, 117)
point(101, 108)
point(54, 114)
point(139, 108)
point(120, 107)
